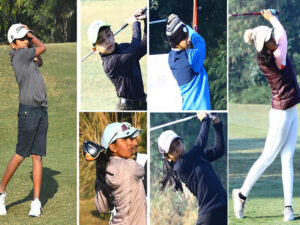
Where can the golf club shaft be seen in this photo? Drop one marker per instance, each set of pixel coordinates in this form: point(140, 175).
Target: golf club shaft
point(275, 12)
point(7, 17)
point(174, 122)
point(125, 25)
point(158, 21)
point(87, 56)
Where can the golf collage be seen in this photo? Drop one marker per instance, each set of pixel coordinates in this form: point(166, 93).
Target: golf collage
point(142, 112)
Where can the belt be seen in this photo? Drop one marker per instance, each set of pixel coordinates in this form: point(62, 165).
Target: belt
point(133, 103)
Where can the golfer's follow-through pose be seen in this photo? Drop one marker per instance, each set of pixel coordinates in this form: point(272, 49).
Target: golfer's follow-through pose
point(194, 169)
point(186, 61)
point(118, 182)
point(271, 46)
point(32, 115)
point(121, 61)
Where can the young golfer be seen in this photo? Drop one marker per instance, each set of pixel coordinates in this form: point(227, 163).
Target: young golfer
point(118, 182)
point(32, 115)
point(283, 118)
point(121, 61)
point(186, 63)
point(194, 169)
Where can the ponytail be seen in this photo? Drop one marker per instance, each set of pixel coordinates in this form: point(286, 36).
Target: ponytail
point(101, 165)
point(169, 175)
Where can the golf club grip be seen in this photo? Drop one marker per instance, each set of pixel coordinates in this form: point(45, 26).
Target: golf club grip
point(144, 9)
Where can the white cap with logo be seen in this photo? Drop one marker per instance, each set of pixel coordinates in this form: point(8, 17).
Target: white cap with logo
point(16, 31)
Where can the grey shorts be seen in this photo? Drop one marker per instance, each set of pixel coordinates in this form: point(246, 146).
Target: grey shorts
point(32, 130)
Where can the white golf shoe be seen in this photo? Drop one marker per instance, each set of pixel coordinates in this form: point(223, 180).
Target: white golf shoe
point(288, 214)
point(2, 204)
point(238, 204)
point(36, 208)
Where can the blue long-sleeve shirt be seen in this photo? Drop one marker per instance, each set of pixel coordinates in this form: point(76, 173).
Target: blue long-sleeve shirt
point(188, 70)
point(195, 170)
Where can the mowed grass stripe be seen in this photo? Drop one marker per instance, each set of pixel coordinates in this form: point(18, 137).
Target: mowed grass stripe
point(59, 166)
point(248, 128)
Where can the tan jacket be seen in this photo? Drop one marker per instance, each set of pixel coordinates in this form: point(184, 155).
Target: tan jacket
point(129, 193)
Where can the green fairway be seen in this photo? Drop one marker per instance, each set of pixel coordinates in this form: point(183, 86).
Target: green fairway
point(248, 127)
point(97, 91)
point(58, 193)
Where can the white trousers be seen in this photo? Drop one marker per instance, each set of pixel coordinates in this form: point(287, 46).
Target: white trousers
point(282, 137)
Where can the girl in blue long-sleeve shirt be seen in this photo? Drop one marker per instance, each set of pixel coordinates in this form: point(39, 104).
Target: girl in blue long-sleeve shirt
point(186, 63)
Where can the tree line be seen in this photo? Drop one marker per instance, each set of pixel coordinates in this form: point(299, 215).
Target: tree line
point(50, 20)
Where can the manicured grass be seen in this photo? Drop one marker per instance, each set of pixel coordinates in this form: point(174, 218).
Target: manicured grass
point(248, 127)
point(58, 193)
point(89, 215)
point(97, 91)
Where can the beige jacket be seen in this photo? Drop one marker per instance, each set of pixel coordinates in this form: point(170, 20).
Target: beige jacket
point(128, 192)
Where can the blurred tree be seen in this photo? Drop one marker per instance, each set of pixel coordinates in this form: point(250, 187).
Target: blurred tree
point(51, 20)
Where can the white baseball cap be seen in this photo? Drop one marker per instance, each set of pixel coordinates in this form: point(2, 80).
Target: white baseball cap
point(94, 30)
point(116, 131)
point(259, 35)
point(16, 31)
point(165, 140)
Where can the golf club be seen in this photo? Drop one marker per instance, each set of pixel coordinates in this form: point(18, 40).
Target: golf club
point(7, 17)
point(273, 11)
point(174, 122)
point(125, 25)
point(158, 21)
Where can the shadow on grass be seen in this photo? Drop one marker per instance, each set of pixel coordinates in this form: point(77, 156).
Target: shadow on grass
point(48, 189)
point(104, 216)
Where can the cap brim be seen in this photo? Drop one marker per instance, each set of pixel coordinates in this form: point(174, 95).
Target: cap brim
point(134, 132)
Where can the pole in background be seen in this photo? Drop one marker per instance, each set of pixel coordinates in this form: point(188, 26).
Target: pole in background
point(195, 21)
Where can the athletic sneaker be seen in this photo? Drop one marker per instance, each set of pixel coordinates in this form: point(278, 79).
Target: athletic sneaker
point(36, 208)
point(238, 204)
point(288, 213)
point(2, 204)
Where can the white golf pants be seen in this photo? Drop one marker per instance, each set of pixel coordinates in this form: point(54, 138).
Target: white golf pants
point(282, 137)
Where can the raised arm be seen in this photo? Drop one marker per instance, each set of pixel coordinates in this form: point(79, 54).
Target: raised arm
point(196, 55)
point(203, 133)
point(143, 49)
point(280, 38)
point(40, 47)
point(218, 150)
point(130, 53)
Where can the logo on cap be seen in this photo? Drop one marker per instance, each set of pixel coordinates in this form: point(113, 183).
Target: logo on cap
point(124, 127)
point(19, 28)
